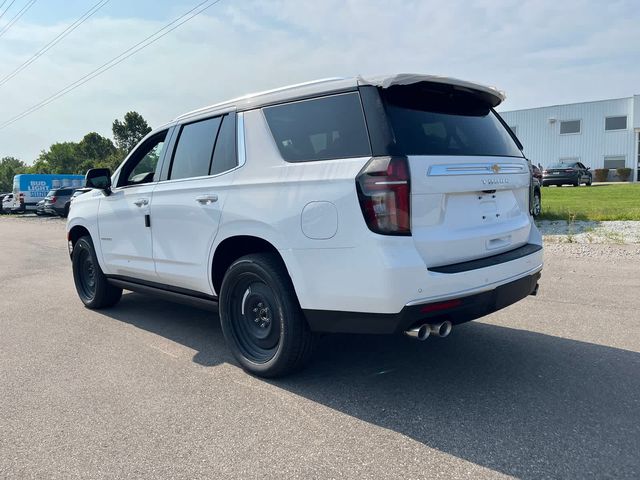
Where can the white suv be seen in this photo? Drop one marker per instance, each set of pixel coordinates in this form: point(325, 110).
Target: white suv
point(364, 205)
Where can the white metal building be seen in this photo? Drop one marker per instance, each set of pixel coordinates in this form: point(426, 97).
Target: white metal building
point(600, 134)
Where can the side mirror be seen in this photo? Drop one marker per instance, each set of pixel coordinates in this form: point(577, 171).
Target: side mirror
point(99, 178)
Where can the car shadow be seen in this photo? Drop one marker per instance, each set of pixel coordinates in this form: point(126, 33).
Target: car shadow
point(525, 404)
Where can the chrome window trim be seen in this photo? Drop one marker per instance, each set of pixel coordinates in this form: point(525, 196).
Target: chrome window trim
point(241, 145)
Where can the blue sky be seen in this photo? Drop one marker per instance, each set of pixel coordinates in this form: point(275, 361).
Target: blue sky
point(540, 52)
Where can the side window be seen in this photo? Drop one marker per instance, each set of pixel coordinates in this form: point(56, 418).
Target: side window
point(224, 156)
point(320, 129)
point(193, 154)
point(141, 166)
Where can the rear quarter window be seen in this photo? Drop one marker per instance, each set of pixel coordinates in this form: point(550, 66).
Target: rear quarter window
point(323, 128)
point(429, 119)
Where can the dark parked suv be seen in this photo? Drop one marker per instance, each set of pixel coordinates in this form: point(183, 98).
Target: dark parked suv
point(571, 173)
point(58, 200)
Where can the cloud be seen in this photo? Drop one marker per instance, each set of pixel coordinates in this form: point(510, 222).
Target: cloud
point(542, 52)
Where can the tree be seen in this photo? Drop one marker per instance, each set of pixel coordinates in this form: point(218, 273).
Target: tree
point(9, 167)
point(60, 158)
point(93, 150)
point(112, 162)
point(129, 132)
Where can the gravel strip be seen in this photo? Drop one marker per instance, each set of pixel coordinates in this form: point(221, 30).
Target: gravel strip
point(593, 250)
point(616, 232)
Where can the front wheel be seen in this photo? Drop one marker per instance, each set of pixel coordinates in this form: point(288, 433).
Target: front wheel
point(91, 284)
point(261, 318)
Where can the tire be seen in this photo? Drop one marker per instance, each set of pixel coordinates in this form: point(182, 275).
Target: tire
point(537, 204)
point(91, 284)
point(577, 183)
point(261, 318)
point(589, 182)
point(65, 212)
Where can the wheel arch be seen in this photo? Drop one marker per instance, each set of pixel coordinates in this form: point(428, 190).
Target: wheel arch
point(76, 232)
point(234, 247)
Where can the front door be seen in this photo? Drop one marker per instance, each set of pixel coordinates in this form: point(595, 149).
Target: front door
point(123, 219)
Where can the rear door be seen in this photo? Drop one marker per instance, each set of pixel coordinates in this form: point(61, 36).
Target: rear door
point(187, 205)
point(469, 180)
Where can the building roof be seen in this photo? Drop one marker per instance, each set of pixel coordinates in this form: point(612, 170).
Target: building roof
point(337, 85)
point(556, 105)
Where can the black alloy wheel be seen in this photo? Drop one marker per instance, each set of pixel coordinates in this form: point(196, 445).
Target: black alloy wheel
point(261, 318)
point(92, 285)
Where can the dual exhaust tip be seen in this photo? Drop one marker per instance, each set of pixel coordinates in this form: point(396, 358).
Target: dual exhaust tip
point(442, 329)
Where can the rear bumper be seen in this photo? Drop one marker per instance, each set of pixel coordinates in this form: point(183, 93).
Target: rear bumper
point(50, 209)
point(559, 180)
point(457, 310)
point(24, 207)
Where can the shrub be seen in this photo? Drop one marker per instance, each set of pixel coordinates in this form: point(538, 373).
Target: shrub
point(624, 174)
point(601, 174)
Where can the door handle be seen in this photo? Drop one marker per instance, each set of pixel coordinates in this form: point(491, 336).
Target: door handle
point(141, 202)
point(207, 199)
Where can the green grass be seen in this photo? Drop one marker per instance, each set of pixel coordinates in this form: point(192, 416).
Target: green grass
point(596, 203)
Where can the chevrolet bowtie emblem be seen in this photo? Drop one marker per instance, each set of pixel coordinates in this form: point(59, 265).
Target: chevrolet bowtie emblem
point(496, 168)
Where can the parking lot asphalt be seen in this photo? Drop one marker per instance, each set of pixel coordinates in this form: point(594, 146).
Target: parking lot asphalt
point(547, 388)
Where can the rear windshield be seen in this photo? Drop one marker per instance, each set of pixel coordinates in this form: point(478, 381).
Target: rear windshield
point(430, 119)
point(563, 165)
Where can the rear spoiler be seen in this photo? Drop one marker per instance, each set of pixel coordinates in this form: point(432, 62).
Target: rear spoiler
point(493, 96)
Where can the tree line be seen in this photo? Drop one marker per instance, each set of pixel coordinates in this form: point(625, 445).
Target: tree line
point(92, 151)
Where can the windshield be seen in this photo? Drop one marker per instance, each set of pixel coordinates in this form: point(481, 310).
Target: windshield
point(430, 119)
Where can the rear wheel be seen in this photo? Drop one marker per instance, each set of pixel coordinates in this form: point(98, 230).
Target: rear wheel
point(261, 318)
point(91, 284)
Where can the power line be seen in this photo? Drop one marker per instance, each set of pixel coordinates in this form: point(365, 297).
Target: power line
point(53, 42)
point(171, 26)
point(6, 9)
point(17, 16)
point(2, 4)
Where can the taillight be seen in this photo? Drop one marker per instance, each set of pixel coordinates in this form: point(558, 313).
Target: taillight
point(21, 198)
point(384, 195)
point(52, 199)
